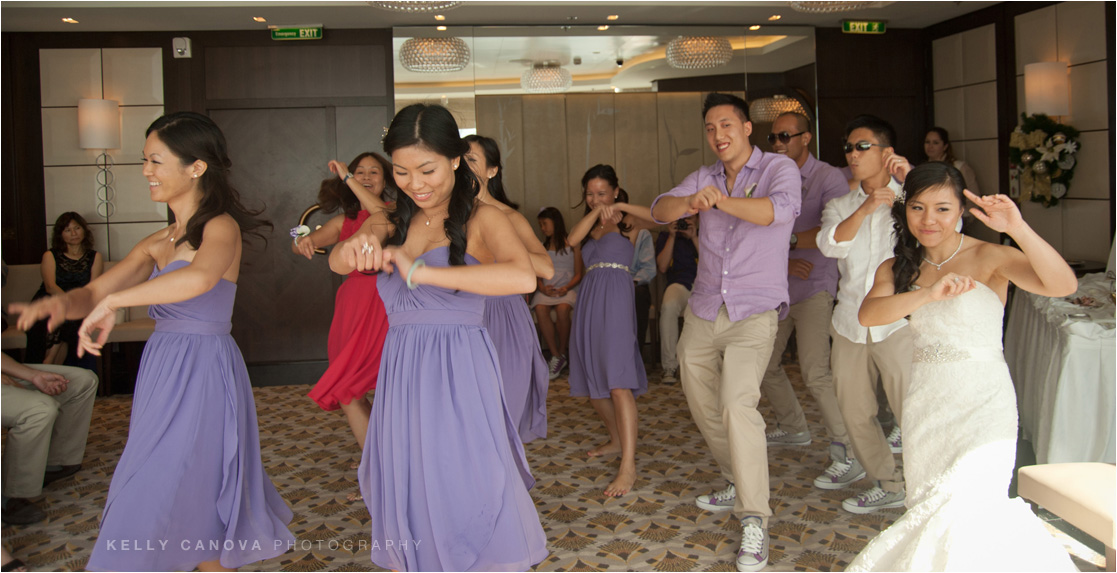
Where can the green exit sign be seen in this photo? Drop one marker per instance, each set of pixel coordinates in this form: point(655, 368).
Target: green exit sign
point(862, 27)
point(304, 33)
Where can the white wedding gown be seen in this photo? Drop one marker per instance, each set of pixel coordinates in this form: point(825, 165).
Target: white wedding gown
point(960, 452)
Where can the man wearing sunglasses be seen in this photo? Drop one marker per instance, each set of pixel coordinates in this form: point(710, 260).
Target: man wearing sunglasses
point(812, 285)
point(857, 230)
point(747, 202)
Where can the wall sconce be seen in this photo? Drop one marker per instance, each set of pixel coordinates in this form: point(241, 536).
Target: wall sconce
point(99, 128)
point(1046, 88)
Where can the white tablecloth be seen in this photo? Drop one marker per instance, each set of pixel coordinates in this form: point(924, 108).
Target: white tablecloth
point(1063, 369)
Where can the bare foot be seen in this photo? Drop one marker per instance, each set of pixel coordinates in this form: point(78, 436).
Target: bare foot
point(355, 496)
point(355, 466)
point(606, 449)
point(622, 484)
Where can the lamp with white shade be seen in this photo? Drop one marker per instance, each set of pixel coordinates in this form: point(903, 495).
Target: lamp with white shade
point(99, 128)
point(1046, 88)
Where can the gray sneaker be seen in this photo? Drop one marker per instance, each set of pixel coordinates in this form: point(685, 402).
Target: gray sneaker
point(896, 440)
point(782, 438)
point(670, 376)
point(873, 499)
point(753, 554)
point(719, 500)
point(840, 474)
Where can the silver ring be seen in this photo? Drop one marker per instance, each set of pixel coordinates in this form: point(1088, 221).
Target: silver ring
point(957, 279)
point(366, 249)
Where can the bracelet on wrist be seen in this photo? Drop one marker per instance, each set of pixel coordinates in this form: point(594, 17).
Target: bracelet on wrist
point(415, 265)
point(347, 177)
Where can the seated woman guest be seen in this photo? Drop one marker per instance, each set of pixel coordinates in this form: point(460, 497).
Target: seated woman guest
point(558, 292)
point(936, 145)
point(960, 411)
point(443, 472)
point(70, 263)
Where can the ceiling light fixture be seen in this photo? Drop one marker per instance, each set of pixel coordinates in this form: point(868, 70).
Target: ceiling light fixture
point(766, 110)
point(259, 19)
point(439, 17)
point(613, 17)
point(546, 78)
point(602, 28)
point(70, 21)
point(417, 7)
point(774, 17)
point(699, 52)
point(754, 27)
point(440, 28)
point(830, 7)
point(434, 55)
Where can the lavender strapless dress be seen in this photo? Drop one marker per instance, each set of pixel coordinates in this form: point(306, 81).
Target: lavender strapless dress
point(443, 471)
point(522, 367)
point(604, 354)
point(190, 485)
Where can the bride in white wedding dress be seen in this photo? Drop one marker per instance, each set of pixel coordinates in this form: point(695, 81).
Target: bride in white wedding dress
point(960, 410)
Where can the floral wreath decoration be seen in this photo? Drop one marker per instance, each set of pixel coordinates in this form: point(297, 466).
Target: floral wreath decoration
point(1042, 153)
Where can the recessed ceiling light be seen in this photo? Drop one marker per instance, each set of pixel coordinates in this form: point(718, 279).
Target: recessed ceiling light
point(754, 27)
point(774, 17)
point(69, 20)
point(602, 28)
point(440, 28)
point(439, 17)
point(259, 19)
point(612, 17)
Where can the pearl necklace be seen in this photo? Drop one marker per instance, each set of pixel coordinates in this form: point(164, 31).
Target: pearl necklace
point(938, 266)
point(440, 213)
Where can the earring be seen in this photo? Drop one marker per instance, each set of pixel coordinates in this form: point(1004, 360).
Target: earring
point(195, 176)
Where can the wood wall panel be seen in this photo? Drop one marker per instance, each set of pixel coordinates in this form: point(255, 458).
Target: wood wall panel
point(590, 138)
point(545, 171)
point(284, 71)
point(637, 149)
point(681, 136)
point(501, 118)
point(359, 129)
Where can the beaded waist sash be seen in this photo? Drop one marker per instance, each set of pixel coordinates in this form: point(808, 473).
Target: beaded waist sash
point(608, 266)
point(939, 353)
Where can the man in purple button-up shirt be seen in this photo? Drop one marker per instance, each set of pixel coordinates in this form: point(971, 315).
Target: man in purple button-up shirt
point(812, 284)
point(747, 202)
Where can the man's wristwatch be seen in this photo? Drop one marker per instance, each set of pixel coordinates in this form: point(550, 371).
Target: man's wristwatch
point(794, 241)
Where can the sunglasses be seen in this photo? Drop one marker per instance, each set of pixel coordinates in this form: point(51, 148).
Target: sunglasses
point(783, 136)
point(859, 146)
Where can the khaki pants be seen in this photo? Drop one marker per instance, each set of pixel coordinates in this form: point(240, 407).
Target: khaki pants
point(721, 364)
point(44, 430)
point(856, 368)
point(810, 319)
point(671, 308)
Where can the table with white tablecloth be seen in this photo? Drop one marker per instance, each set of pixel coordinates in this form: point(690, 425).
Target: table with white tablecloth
point(1063, 369)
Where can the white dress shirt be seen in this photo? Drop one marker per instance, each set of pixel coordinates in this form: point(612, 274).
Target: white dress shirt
point(858, 260)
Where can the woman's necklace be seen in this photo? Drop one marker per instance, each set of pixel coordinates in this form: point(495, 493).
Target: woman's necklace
point(436, 214)
point(938, 266)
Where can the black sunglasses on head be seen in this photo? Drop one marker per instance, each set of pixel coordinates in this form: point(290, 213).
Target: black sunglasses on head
point(783, 136)
point(859, 146)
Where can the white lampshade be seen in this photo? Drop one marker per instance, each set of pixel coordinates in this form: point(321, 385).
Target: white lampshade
point(1046, 88)
point(98, 124)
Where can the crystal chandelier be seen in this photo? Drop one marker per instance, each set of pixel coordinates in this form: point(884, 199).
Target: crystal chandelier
point(546, 78)
point(766, 110)
point(416, 7)
point(830, 7)
point(699, 52)
point(434, 55)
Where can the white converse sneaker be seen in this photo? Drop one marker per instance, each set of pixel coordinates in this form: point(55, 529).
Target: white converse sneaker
point(719, 500)
point(753, 554)
point(782, 438)
point(873, 499)
point(840, 474)
point(896, 440)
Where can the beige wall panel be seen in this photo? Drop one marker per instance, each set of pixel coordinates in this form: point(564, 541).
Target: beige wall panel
point(947, 55)
point(950, 113)
point(133, 76)
point(71, 188)
point(1085, 229)
point(637, 148)
point(134, 122)
point(681, 139)
point(590, 136)
point(1035, 38)
point(1089, 101)
point(65, 76)
point(1047, 222)
point(60, 138)
point(982, 157)
point(545, 163)
point(1081, 31)
point(980, 112)
point(1091, 175)
point(501, 118)
point(124, 236)
point(980, 61)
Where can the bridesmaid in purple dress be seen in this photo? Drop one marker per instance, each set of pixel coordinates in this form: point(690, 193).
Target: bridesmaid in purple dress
point(443, 472)
point(507, 318)
point(190, 489)
point(605, 362)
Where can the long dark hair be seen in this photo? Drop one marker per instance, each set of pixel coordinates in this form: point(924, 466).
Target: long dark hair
point(433, 127)
point(609, 175)
point(492, 159)
point(334, 194)
point(908, 251)
point(60, 224)
point(945, 137)
point(557, 241)
point(192, 137)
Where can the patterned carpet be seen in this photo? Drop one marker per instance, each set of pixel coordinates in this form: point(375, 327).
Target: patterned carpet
point(657, 527)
